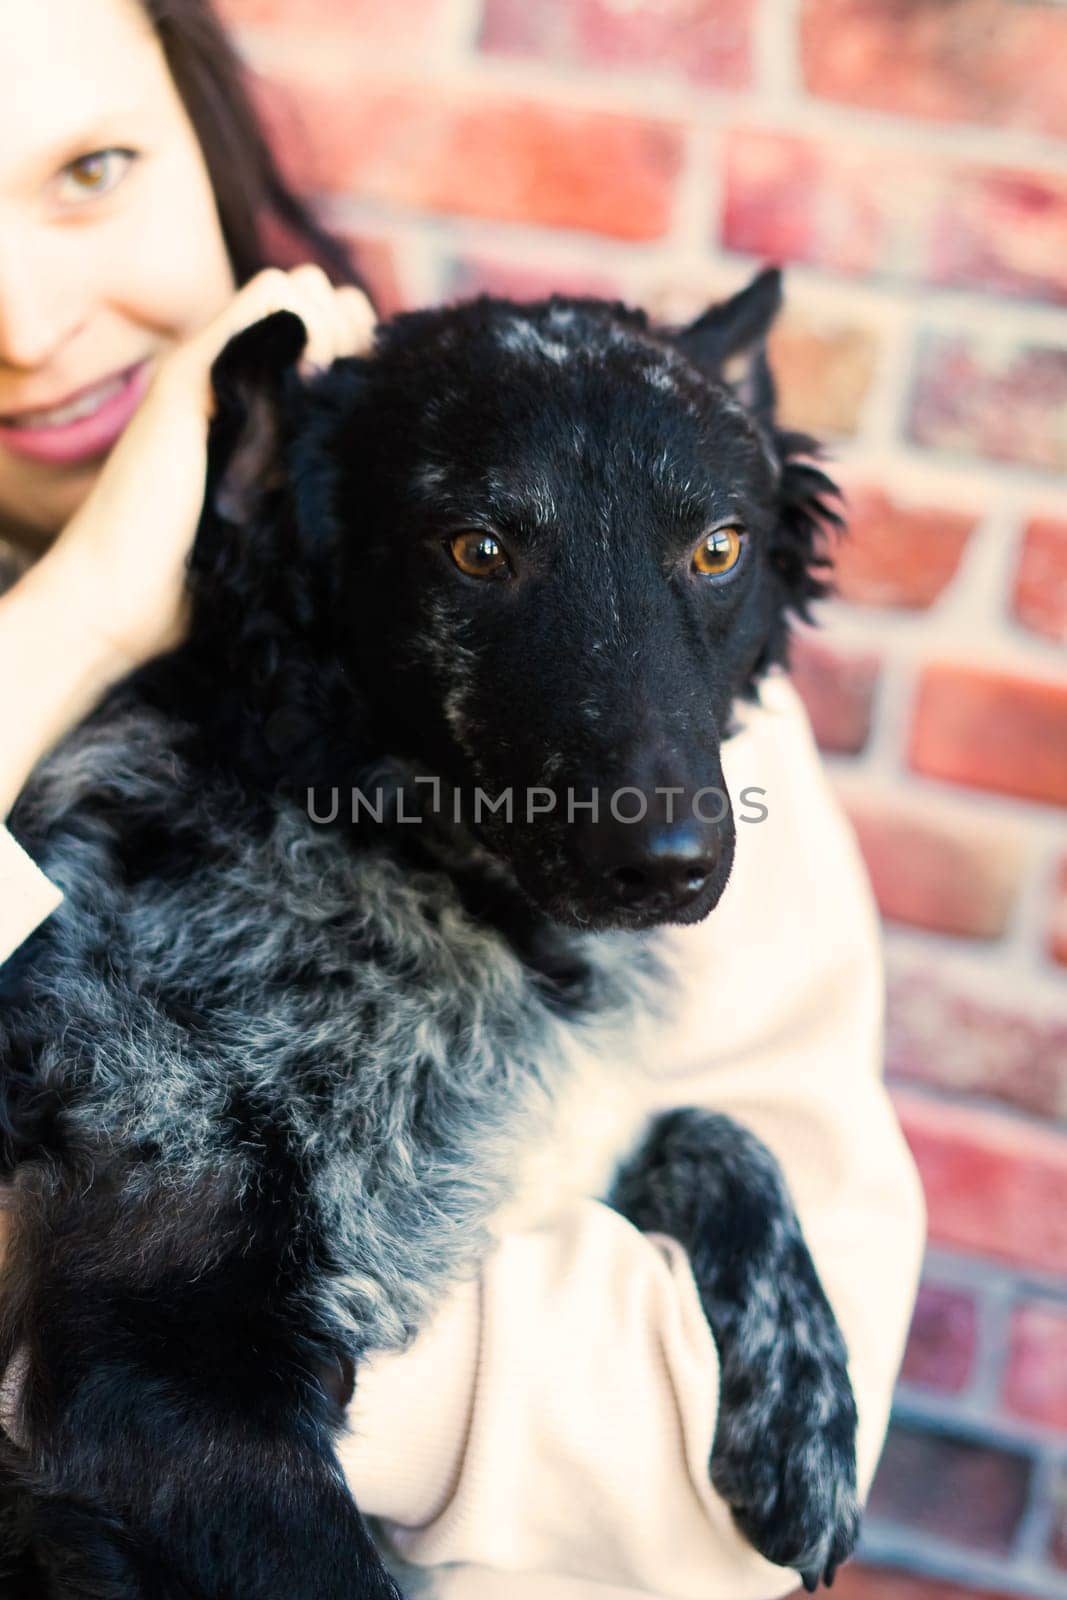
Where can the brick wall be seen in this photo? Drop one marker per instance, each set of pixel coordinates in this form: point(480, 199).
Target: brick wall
point(908, 157)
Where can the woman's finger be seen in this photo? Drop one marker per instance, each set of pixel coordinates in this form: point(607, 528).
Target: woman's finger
point(339, 322)
point(359, 321)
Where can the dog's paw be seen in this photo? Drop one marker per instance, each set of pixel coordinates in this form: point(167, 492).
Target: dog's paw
point(791, 1484)
point(788, 1472)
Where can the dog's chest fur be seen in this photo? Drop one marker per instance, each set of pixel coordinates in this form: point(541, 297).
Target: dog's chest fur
point(207, 989)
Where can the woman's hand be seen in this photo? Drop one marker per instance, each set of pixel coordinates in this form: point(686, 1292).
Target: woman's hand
point(122, 556)
point(110, 592)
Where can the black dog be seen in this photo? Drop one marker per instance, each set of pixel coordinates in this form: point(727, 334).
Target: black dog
point(274, 1067)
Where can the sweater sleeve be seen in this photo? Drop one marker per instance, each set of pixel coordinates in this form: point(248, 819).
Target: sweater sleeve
point(26, 895)
point(554, 1423)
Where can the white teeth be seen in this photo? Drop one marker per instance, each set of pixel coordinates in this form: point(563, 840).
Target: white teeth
point(84, 406)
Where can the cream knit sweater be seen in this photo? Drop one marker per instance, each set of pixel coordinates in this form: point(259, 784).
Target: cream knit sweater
point(547, 1437)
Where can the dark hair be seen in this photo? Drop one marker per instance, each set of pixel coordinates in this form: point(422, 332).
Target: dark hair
point(263, 222)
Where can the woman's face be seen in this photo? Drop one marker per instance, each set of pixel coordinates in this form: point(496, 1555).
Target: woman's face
point(111, 250)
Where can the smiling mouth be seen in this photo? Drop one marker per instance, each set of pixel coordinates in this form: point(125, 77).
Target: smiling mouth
point(82, 404)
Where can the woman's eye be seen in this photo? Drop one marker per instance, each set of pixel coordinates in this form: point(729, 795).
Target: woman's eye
point(719, 552)
point(479, 555)
point(95, 174)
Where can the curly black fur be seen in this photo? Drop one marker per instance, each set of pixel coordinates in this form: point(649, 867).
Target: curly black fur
point(275, 1067)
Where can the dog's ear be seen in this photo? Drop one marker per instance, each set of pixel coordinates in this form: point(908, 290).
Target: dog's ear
point(728, 342)
point(241, 575)
point(252, 378)
point(261, 613)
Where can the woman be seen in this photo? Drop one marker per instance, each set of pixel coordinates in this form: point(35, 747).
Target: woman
point(548, 1436)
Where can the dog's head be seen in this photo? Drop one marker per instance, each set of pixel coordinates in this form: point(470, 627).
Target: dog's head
point(546, 547)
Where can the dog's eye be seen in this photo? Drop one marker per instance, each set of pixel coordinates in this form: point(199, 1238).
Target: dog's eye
point(479, 555)
point(718, 552)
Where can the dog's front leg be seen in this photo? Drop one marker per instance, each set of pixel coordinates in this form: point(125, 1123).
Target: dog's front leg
point(176, 1422)
point(784, 1451)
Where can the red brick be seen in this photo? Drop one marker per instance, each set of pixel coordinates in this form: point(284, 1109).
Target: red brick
point(413, 145)
point(374, 259)
point(1035, 1384)
point(863, 209)
point(518, 281)
point(994, 1184)
point(983, 400)
point(707, 41)
point(938, 1035)
point(989, 730)
point(380, 270)
point(896, 554)
point(822, 373)
point(1057, 937)
point(942, 872)
point(837, 687)
point(992, 61)
point(1005, 231)
point(1040, 597)
point(825, 202)
point(968, 1493)
point(354, 23)
point(942, 1341)
point(858, 1582)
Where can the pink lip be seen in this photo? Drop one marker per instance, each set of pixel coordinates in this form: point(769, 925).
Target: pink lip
point(88, 436)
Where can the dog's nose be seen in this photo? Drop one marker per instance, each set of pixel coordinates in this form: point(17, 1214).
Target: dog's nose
point(664, 868)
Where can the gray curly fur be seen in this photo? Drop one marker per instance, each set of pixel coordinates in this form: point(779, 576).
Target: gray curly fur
point(460, 1061)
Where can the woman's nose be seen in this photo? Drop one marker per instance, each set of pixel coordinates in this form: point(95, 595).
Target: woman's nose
point(41, 307)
